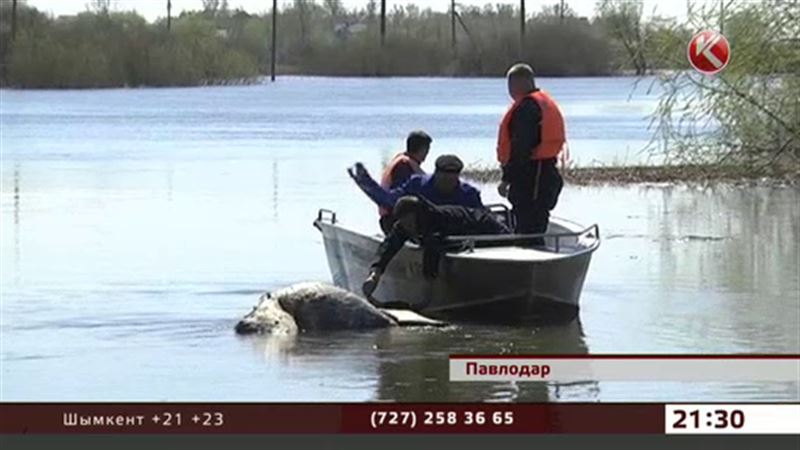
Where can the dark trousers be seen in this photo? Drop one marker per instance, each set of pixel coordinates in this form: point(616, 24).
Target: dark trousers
point(386, 222)
point(533, 194)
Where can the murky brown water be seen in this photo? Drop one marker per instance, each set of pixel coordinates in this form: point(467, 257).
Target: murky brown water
point(139, 225)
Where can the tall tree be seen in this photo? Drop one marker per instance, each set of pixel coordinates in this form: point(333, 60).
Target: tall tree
point(101, 6)
point(302, 16)
point(210, 7)
point(334, 7)
point(622, 20)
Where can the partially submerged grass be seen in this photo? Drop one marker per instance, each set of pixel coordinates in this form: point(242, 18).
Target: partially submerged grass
point(676, 174)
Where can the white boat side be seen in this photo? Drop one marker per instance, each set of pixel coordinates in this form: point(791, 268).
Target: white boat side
point(497, 278)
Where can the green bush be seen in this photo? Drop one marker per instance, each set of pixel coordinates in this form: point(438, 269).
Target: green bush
point(748, 114)
point(107, 49)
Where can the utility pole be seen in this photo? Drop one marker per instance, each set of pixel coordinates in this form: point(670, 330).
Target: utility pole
point(561, 11)
point(721, 16)
point(274, 38)
point(453, 24)
point(169, 15)
point(383, 22)
point(521, 26)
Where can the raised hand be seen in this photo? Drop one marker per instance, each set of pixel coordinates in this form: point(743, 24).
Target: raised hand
point(357, 171)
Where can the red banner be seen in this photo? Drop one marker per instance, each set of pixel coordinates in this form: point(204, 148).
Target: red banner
point(284, 418)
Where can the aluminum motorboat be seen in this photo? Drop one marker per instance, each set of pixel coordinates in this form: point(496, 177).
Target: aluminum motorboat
point(487, 278)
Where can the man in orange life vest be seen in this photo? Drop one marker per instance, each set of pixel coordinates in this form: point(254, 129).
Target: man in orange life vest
point(530, 138)
point(401, 167)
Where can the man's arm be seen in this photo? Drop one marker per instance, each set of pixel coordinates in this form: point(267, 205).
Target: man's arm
point(373, 190)
point(526, 131)
point(490, 225)
point(473, 198)
point(391, 244)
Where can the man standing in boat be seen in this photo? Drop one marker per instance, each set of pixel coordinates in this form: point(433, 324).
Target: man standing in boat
point(401, 167)
point(429, 225)
point(444, 187)
point(530, 138)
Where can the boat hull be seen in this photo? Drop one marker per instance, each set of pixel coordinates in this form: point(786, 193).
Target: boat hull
point(471, 286)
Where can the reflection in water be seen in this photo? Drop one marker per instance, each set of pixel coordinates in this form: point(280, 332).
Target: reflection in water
point(685, 270)
point(696, 270)
point(414, 363)
point(160, 277)
point(744, 274)
point(170, 174)
point(17, 250)
point(411, 363)
point(275, 189)
point(274, 348)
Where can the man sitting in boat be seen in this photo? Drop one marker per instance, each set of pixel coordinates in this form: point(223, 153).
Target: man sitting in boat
point(418, 219)
point(444, 187)
point(401, 167)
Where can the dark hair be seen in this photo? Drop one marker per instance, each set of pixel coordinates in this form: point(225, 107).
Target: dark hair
point(417, 140)
point(406, 205)
point(522, 71)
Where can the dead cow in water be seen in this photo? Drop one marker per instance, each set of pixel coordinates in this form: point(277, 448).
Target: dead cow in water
point(312, 307)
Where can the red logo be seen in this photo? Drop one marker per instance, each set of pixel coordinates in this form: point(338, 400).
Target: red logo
point(708, 52)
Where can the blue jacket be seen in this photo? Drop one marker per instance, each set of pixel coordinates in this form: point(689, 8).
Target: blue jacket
point(422, 185)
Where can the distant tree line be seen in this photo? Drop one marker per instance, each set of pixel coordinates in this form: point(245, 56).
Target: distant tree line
point(102, 47)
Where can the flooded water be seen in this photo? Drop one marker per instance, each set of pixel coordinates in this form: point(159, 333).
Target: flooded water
point(139, 225)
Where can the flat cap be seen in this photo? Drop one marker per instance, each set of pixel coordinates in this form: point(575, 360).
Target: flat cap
point(449, 163)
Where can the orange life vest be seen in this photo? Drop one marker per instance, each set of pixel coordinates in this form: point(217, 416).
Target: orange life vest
point(553, 135)
point(386, 178)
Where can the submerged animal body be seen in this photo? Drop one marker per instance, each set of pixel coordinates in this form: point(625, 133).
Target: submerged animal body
point(312, 307)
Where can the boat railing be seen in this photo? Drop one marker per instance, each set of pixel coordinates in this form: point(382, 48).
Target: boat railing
point(324, 215)
point(471, 242)
point(504, 213)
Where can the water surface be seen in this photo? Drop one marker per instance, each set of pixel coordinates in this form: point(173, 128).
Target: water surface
point(138, 225)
